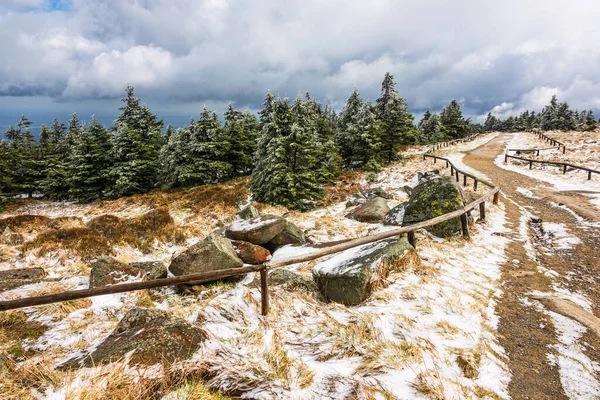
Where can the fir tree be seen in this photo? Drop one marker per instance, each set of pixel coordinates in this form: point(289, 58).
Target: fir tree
point(240, 130)
point(590, 121)
point(454, 126)
point(89, 163)
point(168, 133)
point(431, 130)
point(7, 185)
point(397, 127)
point(54, 184)
point(137, 140)
point(425, 118)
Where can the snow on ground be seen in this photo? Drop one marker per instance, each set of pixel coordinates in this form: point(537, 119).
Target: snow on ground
point(428, 330)
point(572, 180)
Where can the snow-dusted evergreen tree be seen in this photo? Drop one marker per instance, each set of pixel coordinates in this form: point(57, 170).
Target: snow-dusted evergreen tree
point(7, 184)
point(454, 125)
point(174, 158)
point(168, 133)
point(240, 131)
point(27, 159)
point(590, 121)
point(89, 163)
point(288, 170)
point(347, 129)
point(396, 121)
point(426, 116)
point(331, 117)
point(54, 184)
point(431, 130)
point(549, 117)
point(136, 143)
point(491, 123)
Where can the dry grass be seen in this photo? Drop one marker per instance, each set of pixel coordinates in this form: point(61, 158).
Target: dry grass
point(345, 186)
point(86, 242)
point(62, 309)
point(388, 355)
point(468, 360)
point(14, 325)
point(364, 391)
point(447, 328)
point(356, 338)
point(430, 384)
point(25, 223)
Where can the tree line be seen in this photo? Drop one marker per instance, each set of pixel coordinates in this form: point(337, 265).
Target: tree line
point(554, 117)
point(292, 150)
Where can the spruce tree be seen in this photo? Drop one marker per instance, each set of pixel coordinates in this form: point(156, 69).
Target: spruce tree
point(136, 142)
point(89, 163)
point(240, 130)
point(454, 126)
point(54, 184)
point(590, 121)
point(426, 117)
point(397, 127)
point(347, 131)
point(431, 130)
point(7, 185)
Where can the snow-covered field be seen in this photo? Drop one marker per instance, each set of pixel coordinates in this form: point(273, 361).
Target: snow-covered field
point(428, 331)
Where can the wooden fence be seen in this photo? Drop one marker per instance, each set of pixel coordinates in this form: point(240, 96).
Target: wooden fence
point(409, 231)
point(562, 165)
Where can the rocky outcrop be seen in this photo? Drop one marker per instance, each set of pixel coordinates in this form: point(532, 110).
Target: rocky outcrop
point(258, 230)
point(150, 335)
point(251, 253)
point(372, 210)
point(153, 269)
point(347, 277)
point(432, 198)
point(14, 278)
point(291, 234)
point(248, 212)
point(213, 253)
point(108, 271)
point(395, 216)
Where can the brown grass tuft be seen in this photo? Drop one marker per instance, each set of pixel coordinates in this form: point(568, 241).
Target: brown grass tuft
point(25, 223)
point(86, 242)
point(345, 186)
point(429, 383)
point(14, 325)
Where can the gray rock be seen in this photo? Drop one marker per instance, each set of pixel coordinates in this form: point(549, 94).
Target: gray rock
point(213, 253)
point(372, 211)
point(108, 271)
point(291, 234)
point(248, 212)
point(258, 230)
point(154, 269)
point(396, 215)
point(285, 278)
point(151, 335)
point(432, 198)
point(346, 278)
point(424, 176)
point(356, 200)
point(14, 278)
point(376, 192)
point(407, 189)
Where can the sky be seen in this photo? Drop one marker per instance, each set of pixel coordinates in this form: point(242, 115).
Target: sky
point(65, 56)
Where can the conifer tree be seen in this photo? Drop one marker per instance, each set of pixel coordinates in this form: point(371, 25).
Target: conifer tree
point(54, 184)
point(454, 126)
point(397, 127)
point(136, 143)
point(431, 130)
point(7, 186)
point(426, 116)
point(240, 131)
point(168, 133)
point(89, 163)
point(28, 167)
point(590, 121)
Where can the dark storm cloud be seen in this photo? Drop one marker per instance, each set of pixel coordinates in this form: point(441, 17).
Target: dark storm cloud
point(505, 56)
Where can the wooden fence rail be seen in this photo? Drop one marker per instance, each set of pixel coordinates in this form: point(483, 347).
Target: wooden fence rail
point(263, 269)
point(564, 166)
point(553, 142)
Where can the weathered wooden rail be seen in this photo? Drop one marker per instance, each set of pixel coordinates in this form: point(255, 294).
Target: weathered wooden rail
point(553, 142)
point(562, 165)
point(462, 213)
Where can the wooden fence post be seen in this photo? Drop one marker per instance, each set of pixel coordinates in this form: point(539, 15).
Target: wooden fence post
point(457, 178)
point(564, 149)
point(531, 164)
point(465, 180)
point(589, 175)
point(475, 185)
point(505, 158)
point(565, 169)
point(482, 211)
point(264, 292)
point(496, 196)
point(464, 225)
point(411, 239)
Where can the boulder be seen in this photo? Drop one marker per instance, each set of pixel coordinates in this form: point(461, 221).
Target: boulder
point(213, 253)
point(432, 198)
point(425, 176)
point(407, 189)
point(356, 200)
point(288, 279)
point(376, 192)
point(14, 278)
point(259, 230)
point(396, 215)
point(251, 253)
point(372, 210)
point(153, 269)
point(150, 335)
point(347, 277)
point(108, 271)
point(291, 234)
point(248, 212)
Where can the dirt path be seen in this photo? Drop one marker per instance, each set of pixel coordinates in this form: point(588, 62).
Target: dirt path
point(526, 333)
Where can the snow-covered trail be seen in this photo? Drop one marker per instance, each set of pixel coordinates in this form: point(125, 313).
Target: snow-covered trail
point(554, 253)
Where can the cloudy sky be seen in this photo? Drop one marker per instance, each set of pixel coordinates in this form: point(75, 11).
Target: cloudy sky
point(61, 56)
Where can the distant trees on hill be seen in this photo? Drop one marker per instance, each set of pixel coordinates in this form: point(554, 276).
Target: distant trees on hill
point(554, 116)
point(292, 150)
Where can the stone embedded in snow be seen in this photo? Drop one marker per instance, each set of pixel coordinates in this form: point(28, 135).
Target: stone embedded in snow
point(250, 253)
point(372, 210)
point(154, 269)
point(150, 335)
point(258, 230)
point(108, 271)
point(432, 198)
point(346, 278)
point(425, 176)
point(248, 212)
point(291, 234)
point(376, 192)
point(213, 253)
point(395, 215)
point(14, 278)
point(356, 200)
